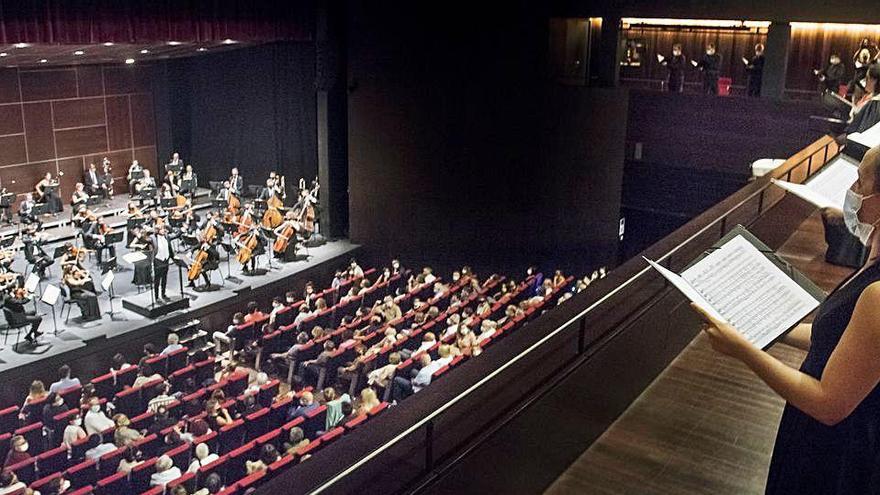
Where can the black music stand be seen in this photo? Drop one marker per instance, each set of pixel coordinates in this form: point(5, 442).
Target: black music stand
point(6, 206)
point(137, 175)
point(59, 252)
point(270, 236)
point(229, 251)
point(93, 200)
point(175, 168)
point(7, 241)
point(181, 266)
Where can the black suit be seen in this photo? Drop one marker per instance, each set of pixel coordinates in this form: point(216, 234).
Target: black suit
point(18, 315)
point(237, 185)
point(93, 182)
point(160, 267)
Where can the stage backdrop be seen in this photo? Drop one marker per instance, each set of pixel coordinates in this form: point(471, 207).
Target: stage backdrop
point(61, 119)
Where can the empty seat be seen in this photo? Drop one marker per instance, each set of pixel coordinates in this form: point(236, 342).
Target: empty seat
point(268, 392)
point(181, 455)
point(252, 480)
point(235, 468)
point(52, 460)
point(82, 474)
point(85, 490)
point(204, 371)
point(176, 360)
point(231, 436)
point(25, 470)
point(128, 402)
point(113, 485)
point(180, 376)
point(257, 423)
point(188, 481)
point(314, 421)
point(332, 435)
point(139, 479)
point(235, 384)
point(273, 438)
point(143, 421)
point(8, 419)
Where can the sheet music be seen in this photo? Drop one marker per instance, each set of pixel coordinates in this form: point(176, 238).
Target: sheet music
point(828, 187)
point(660, 58)
point(107, 280)
point(685, 288)
point(32, 282)
point(50, 294)
point(869, 138)
point(133, 257)
point(749, 291)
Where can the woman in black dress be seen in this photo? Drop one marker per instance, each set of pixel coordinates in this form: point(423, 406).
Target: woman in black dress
point(829, 436)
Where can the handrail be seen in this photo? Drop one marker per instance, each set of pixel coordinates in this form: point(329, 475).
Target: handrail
point(784, 170)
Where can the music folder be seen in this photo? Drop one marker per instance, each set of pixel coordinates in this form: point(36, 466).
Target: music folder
point(743, 282)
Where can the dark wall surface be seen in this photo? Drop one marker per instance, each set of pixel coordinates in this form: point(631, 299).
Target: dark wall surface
point(459, 148)
point(253, 108)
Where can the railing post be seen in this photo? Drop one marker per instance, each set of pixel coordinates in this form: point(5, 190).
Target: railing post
point(809, 166)
point(582, 335)
point(429, 446)
point(761, 202)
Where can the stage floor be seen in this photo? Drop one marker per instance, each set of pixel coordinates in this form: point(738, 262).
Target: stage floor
point(75, 334)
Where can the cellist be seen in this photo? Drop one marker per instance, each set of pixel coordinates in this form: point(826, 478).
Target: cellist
point(205, 260)
point(285, 241)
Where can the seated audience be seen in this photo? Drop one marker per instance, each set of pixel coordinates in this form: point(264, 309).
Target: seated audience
point(97, 447)
point(368, 401)
point(487, 330)
point(173, 344)
point(165, 471)
point(213, 484)
point(253, 313)
point(10, 484)
point(296, 440)
point(163, 397)
point(311, 369)
point(18, 451)
point(96, 421)
point(124, 434)
point(130, 459)
point(268, 455)
point(73, 432)
point(36, 393)
point(306, 405)
point(64, 380)
point(54, 406)
point(203, 457)
point(217, 415)
point(334, 402)
point(145, 375)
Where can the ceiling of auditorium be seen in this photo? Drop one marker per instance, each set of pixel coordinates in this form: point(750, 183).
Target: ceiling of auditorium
point(41, 55)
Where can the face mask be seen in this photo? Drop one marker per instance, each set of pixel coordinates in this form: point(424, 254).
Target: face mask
point(96, 408)
point(676, 53)
point(856, 227)
point(78, 422)
point(22, 448)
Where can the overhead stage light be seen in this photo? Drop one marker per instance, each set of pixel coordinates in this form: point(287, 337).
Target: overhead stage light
point(174, 43)
point(109, 43)
point(3, 54)
point(228, 41)
point(202, 49)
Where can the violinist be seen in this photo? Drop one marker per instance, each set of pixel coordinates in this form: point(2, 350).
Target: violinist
point(236, 183)
point(171, 180)
point(82, 291)
point(15, 301)
point(95, 237)
point(81, 216)
point(73, 256)
point(285, 238)
point(146, 186)
point(107, 178)
point(47, 193)
point(33, 250)
point(163, 254)
point(132, 212)
point(80, 197)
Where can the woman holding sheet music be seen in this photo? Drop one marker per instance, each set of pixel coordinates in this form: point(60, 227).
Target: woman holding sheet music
point(829, 436)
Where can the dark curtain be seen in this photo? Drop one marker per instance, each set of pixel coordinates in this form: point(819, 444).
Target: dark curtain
point(141, 21)
point(252, 108)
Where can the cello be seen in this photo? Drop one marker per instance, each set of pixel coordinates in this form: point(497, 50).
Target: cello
point(195, 270)
point(283, 239)
point(248, 245)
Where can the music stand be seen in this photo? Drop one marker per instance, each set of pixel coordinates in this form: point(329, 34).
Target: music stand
point(40, 209)
point(229, 250)
point(59, 252)
point(175, 168)
point(189, 185)
point(215, 186)
point(50, 297)
point(270, 236)
point(107, 284)
point(7, 241)
point(181, 266)
point(93, 200)
point(254, 190)
point(137, 174)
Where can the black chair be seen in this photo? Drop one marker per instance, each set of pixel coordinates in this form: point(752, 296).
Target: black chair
point(66, 302)
point(10, 326)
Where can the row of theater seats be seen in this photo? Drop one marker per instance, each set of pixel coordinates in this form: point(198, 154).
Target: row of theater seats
point(241, 440)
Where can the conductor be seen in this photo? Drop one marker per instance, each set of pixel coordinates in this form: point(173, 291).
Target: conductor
point(163, 254)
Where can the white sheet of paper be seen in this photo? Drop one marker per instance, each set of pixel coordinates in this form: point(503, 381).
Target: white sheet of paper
point(694, 63)
point(660, 58)
point(107, 280)
point(749, 291)
point(869, 138)
point(804, 192)
point(134, 256)
point(745, 61)
point(685, 288)
point(828, 187)
point(32, 282)
point(50, 294)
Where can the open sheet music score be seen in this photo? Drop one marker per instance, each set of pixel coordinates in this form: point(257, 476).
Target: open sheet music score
point(737, 284)
point(869, 138)
point(828, 187)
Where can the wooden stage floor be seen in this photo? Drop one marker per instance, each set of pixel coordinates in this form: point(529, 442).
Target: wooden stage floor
point(706, 424)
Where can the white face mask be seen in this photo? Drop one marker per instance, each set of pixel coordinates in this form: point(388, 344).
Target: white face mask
point(78, 421)
point(22, 447)
point(851, 206)
point(96, 408)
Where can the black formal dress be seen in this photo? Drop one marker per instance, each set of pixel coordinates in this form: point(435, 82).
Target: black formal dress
point(675, 64)
point(710, 65)
point(755, 68)
point(810, 457)
point(866, 117)
point(834, 75)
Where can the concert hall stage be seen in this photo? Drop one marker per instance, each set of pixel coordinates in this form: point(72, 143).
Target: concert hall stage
point(88, 345)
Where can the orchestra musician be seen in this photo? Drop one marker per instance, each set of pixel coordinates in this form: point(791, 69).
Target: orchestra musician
point(172, 180)
point(285, 242)
point(188, 180)
point(33, 250)
point(163, 255)
point(145, 185)
point(79, 197)
point(132, 212)
point(73, 256)
point(175, 162)
point(94, 236)
point(25, 210)
point(95, 182)
point(133, 170)
point(15, 301)
point(47, 193)
point(236, 182)
point(224, 192)
point(249, 239)
point(82, 291)
point(107, 178)
point(208, 259)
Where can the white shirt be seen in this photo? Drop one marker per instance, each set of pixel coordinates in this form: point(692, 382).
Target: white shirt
point(196, 464)
point(94, 176)
point(164, 477)
point(171, 348)
point(162, 253)
point(64, 384)
point(12, 488)
point(96, 422)
point(96, 453)
point(72, 433)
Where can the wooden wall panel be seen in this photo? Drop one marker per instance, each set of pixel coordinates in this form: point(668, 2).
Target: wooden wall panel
point(81, 141)
point(78, 113)
point(48, 84)
point(10, 119)
point(118, 122)
point(89, 80)
point(73, 116)
point(38, 131)
point(142, 123)
point(9, 86)
point(12, 149)
point(147, 158)
point(22, 178)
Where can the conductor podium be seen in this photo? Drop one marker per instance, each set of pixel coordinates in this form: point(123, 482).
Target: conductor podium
point(143, 304)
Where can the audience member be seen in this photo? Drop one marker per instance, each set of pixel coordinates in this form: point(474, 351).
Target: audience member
point(54, 406)
point(380, 376)
point(253, 313)
point(213, 484)
point(124, 434)
point(163, 397)
point(173, 344)
point(64, 380)
point(296, 440)
point(217, 415)
point(18, 451)
point(334, 402)
point(97, 447)
point(130, 459)
point(368, 401)
point(311, 369)
point(306, 405)
point(74, 431)
point(268, 455)
point(10, 484)
point(145, 375)
point(203, 457)
point(165, 471)
point(96, 421)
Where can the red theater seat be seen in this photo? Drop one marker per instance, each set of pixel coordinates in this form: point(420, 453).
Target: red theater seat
point(113, 485)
